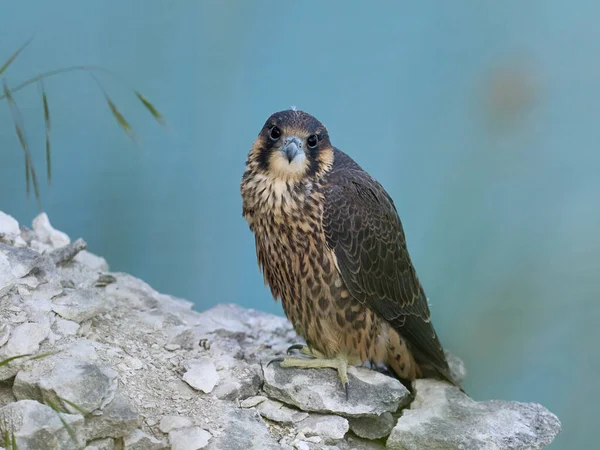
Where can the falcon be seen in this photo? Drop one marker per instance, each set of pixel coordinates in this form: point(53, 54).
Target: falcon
point(331, 246)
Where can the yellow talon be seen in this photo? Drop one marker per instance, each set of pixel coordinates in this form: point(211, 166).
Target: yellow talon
point(317, 362)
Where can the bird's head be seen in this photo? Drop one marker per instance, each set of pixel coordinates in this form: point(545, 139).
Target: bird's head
point(292, 145)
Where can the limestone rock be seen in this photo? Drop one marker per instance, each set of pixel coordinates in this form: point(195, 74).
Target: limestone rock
point(201, 375)
point(65, 327)
point(114, 354)
point(244, 430)
point(442, 417)
point(189, 438)
point(375, 427)
point(57, 377)
point(25, 339)
point(328, 427)
point(9, 230)
point(170, 423)
point(6, 395)
point(238, 379)
point(138, 440)
point(46, 234)
point(37, 426)
point(80, 305)
point(16, 263)
point(7, 278)
point(5, 330)
point(278, 412)
point(320, 390)
point(252, 401)
point(101, 444)
point(116, 419)
point(94, 262)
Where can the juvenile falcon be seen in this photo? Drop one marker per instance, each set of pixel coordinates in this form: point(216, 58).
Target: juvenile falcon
point(331, 246)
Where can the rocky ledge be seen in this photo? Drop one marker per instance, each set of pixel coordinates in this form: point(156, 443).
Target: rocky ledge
point(99, 360)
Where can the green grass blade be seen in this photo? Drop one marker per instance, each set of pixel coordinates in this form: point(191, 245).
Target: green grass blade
point(30, 169)
point(47, 124)
point(68, 428)
point(150, 107)
point(27, 178)
point(120, 118)
point(74, 406)
point(58, 412)
point(6, 361)
point(44, 355)
point(13, 57)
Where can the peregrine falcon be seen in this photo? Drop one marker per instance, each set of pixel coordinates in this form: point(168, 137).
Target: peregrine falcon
point(331, 246)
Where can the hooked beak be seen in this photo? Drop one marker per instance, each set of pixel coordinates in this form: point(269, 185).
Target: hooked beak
point(291, 148)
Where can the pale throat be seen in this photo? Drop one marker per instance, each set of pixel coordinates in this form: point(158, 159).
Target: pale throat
point(277, 196)
point(280, 167)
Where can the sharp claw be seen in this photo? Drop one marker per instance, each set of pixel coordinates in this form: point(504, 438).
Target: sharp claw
point(294, 347)
point(275, 360)
point(347, 386)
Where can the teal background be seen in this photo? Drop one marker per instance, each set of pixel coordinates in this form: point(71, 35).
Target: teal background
point(479, 117)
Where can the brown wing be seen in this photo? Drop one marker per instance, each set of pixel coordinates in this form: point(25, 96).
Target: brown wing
point(363, 229)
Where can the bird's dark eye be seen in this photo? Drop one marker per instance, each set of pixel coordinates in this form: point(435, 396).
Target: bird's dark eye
point(312, 141)
point(275, 133)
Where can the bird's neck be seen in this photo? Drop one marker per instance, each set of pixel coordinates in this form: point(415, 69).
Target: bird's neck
point(265, 196)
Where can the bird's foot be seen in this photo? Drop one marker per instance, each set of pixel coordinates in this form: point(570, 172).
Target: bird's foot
point(303, 350)
point(338, 364)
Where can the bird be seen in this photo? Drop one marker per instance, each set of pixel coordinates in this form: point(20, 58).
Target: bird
point(331, 247)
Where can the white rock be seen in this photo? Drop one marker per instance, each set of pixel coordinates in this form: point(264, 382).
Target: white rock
point(277, 412)
point(80, 305)
point(202, 375)
point(329, 427)
point(375, 427)
point(9, 228)
point(37, 426)
point(38, 311)
point(252, 401)
point(134, 363)
point(443, 417)
point(65, 327)
point(83, 350)
point(16, 264)
point(244, 429)
point(5, 329)
point(92, 261)
point(83, 383)
point(26, 338)
point(101, 444)
point(170, 423)
point(238, 379)
point(371, 392)
point(189, 438)
point(138, 440)
point(125, 323)
point(117, 419)
point(47, 234)
point(300, 445)
point(7, 278)
point(46, 291)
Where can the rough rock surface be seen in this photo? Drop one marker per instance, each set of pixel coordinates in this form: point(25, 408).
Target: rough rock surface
point(371, 393)
point(98, 360)
point(442, 417)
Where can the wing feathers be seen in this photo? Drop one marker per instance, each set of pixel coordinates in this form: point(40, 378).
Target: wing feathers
point(364, 231)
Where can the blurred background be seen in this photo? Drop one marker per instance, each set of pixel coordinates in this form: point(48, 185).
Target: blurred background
point(479, 117)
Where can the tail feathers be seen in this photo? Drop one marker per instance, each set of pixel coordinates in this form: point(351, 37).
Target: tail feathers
point(429, 370)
